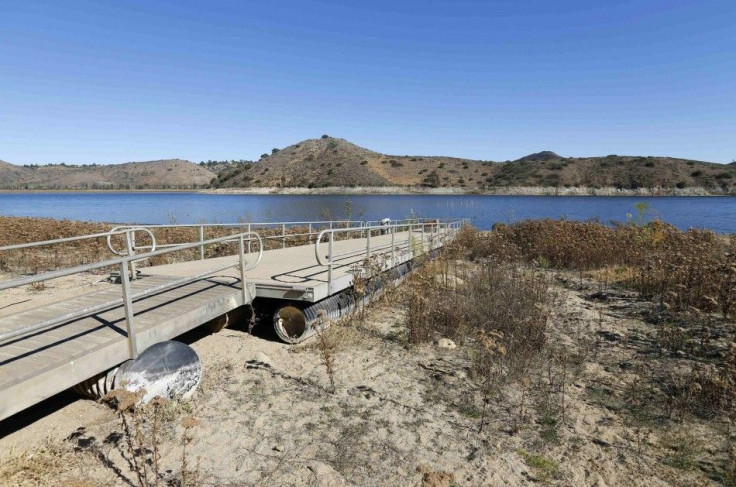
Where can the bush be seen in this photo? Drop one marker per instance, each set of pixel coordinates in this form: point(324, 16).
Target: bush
point(431, 180)
point(696, 268)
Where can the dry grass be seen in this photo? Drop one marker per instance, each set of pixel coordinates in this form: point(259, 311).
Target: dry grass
point(490, 294)
point(41, 466)
point(141, 441)
point(680, 270)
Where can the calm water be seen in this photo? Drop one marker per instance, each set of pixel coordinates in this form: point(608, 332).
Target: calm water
point(716, 213)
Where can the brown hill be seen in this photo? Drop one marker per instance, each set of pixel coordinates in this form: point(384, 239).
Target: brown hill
point(10, 173)
point(330, 161)
point(164, 174)
point(336, 162)
point(626, 172)
point(539, 156)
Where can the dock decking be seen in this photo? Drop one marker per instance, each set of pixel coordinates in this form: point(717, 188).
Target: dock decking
point(38, 365)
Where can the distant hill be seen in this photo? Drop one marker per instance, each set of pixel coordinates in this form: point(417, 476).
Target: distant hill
point(539, 156)
point(334, 162)
point(329, 161)
point(164, 174)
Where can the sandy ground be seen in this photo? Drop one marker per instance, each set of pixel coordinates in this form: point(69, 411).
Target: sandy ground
point(400, 415)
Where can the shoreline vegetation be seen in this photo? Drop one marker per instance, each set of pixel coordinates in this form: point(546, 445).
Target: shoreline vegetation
point(399, 190)
point(550, 351)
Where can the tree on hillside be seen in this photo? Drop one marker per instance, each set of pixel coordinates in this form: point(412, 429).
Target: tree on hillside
point(431, 180)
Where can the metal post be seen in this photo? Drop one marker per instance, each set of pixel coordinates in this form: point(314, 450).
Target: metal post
point(130, 243)
point(329, 267)
point(241, 255)
point(368, 246)
point(283, 235)
point(249, 239)
point(422, 251)
point(408, 241)
point(309, 234)
point(393, 247)
point(128, 305)
point(201, 239)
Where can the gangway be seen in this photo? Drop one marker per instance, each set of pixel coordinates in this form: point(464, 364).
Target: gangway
point(49, 348)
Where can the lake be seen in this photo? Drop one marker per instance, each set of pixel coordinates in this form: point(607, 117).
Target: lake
point(716, 213)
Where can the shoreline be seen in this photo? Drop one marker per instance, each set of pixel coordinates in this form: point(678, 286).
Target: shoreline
point(453, 191)
point(401, 190)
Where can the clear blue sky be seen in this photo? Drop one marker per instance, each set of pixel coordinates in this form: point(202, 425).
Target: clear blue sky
point(117, 81)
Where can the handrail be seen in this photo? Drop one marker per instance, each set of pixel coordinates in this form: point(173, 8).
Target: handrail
point(243, 224)
point(249, 225)
point(130, 239)
point(70, 239)
point(454, 225)
point(321, 234)
point(46, 276)
point(450, 229)
point(127, 298)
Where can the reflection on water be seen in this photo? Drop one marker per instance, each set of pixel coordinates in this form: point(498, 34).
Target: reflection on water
point(717, 213)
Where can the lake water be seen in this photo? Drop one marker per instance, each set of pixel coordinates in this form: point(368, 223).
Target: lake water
point(716, 213)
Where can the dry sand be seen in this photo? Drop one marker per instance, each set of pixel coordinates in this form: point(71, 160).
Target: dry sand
point(400, 416)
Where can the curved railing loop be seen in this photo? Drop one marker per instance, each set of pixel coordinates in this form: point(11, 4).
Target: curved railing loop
point(130, 236)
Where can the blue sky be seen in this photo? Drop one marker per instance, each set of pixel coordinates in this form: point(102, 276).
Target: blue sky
point(105, 81)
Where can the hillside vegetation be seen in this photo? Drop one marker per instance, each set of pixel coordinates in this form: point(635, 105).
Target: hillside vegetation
point(332, 162)
point(329, 161)
point(165, 174)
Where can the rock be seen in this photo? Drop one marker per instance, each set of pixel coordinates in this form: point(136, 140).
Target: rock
point(167, 369)
point(446, 343)
point(601, 442)
point(278, 448)
point(262, 358)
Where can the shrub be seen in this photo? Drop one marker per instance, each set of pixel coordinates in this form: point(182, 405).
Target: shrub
point(696, 268)
point(431, 180)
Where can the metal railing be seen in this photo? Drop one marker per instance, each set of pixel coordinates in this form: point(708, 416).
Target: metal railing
point(417, 228)
point(127, 296)
point(429, 230)
point(312, 230)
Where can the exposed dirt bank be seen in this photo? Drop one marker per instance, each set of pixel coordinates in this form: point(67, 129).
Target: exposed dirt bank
point(520, 191)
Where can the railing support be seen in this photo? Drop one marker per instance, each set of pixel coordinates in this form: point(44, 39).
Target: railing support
point(409, 242)
point(283, 236)
point(130, 243)
point(329, 268)
point(241, 255)
point(393, 247)
point(201, 239)
point(128, 305)
point(423, 249)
